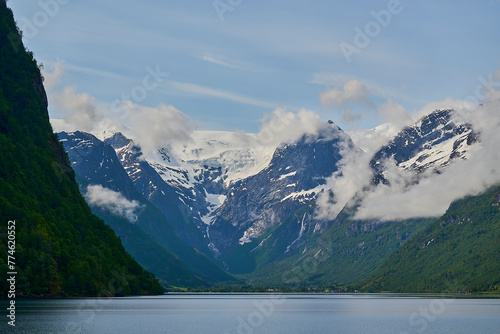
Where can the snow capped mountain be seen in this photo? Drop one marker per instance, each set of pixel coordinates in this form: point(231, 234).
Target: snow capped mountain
point(230, 187)
point(233, 189)
point(175, 198)
point(296, 174)
point(431, 143)
point(95, 161)
point(199, 187)
point(187, 193)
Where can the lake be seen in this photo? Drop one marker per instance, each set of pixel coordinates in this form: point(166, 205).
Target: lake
point(258, 313)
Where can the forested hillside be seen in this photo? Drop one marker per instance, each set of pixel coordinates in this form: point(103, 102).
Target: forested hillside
point(458, 252)
point(60, 246)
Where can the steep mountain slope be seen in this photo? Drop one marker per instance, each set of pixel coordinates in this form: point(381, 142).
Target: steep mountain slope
point(171, 197)
point(151, 255)
point(296, 173)
point(349, 250)
point(458, 252)
point(61, 248)
point(97, 164)
point(198, 189)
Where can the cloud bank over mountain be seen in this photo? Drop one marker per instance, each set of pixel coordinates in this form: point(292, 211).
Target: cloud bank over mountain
point(413, 194)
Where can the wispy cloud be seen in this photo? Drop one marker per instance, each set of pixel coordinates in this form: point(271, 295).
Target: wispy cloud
point(236, 64)
point(95, 72)
point(212, 60)
point(436, 191)
point(220, 94)
point(413, 194)
point(353, 91)
point(57, 68)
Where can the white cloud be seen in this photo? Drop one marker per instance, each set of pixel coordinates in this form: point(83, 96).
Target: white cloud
point(353, 176)
point(207, 91)
point(373, 139)
point(493, 87)
point(353, 92)
point(80, 109)
point(59, 125)
point(112, 201)
point(374, 87)
point(158, 127)
point(394, 113)
point(447, 103)
point(245, 154)
point(434, 193)
point(151, 127)
point(54, 76)
point(396, 118)
point(282, 126)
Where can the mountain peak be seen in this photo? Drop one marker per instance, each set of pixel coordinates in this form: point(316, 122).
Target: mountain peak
point(117, 140)
point(434, 141)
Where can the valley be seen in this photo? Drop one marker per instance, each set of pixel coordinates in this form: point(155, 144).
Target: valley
point(264, 227)
point(112, 199)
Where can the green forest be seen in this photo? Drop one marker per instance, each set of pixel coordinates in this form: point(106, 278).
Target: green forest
point(460, 252)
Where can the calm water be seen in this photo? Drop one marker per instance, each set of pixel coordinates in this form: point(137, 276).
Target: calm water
point(257, 313)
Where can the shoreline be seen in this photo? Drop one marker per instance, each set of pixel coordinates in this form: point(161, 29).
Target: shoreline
point(274, 293)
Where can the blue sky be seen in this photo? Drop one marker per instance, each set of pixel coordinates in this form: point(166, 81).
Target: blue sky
point(228, 67)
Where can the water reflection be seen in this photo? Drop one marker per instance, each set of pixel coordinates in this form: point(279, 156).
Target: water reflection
point(258, 313)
